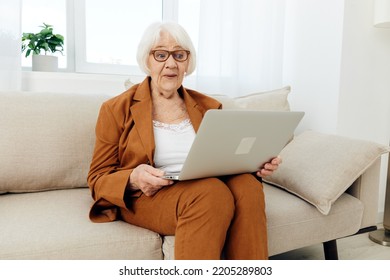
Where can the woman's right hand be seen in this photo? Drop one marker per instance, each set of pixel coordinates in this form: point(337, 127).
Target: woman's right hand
point(148, 179)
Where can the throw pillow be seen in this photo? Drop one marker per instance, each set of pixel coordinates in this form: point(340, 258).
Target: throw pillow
point(274, 100)
point(320, 167)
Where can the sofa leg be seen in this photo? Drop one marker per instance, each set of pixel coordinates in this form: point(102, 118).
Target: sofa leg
point(330, 250)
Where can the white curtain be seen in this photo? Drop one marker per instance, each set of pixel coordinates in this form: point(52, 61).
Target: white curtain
point(10, 45)
point(240, 47)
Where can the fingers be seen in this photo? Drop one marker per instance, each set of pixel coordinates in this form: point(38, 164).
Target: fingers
point(277, 160)
point(154, 171)
point(269, 168)
point(148, 179)
point(155, 177)
point(264, 172)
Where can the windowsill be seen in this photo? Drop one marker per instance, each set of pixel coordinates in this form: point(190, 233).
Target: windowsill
point(77, 76)
point(76, 82)
point(85, 83)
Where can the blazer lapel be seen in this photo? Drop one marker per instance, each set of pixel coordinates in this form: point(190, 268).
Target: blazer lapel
point(194, 113)
point(141, 111)
point(197, 104)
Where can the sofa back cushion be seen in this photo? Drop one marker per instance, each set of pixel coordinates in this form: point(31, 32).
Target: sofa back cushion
point(274, 100)
point(46, 140)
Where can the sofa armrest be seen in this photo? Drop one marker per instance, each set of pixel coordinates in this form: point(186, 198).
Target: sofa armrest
point(366, 189)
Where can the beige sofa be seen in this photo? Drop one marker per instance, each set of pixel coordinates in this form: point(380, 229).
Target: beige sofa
point(46, 143)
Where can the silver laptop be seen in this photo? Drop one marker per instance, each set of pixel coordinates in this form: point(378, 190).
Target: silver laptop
point(236, 141)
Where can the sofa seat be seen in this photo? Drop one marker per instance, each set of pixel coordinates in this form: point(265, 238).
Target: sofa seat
point(289, 215)
point(55, 225)
point(67, 233)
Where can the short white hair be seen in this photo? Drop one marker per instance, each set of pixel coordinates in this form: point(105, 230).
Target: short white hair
point(152, 35)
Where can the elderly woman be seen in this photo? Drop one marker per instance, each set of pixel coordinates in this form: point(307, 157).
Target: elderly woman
point(151, 127)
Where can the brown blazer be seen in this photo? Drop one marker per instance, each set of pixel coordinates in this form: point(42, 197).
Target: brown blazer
point(124, 139)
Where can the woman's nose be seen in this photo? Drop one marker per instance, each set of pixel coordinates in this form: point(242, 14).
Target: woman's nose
point(170, 62)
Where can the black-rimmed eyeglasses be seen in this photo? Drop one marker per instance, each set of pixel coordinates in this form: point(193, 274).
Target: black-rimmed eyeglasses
point(163, 55)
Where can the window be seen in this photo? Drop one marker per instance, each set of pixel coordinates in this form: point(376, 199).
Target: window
point(107, 34)
point(102, 36)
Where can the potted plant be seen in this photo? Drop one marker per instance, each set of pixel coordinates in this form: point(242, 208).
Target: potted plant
point(45, 40)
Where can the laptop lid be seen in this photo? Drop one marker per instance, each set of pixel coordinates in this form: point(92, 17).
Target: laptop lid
point(237, 141)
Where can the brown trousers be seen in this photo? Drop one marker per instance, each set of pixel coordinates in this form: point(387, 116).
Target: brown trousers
point(209, 217)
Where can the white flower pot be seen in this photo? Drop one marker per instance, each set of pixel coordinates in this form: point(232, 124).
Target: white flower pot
point(46, 63)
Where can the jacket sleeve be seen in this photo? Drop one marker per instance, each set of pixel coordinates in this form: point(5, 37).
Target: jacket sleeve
point(106, 179)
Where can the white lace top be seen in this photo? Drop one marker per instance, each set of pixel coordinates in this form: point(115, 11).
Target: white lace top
point(173, 142)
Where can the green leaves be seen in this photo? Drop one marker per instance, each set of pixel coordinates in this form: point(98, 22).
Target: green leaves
point(44, 40)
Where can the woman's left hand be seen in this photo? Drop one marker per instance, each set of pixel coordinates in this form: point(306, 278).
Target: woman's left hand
point(269, 167)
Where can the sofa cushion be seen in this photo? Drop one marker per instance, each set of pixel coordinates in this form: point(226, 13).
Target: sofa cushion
point(320, 167)
point(55, 225)
point(46, 140)
point(274, 100)
point(288, 216)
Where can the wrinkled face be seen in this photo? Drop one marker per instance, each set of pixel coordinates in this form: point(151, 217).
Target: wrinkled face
point(167, 76)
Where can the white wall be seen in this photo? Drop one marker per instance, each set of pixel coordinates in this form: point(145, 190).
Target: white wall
point(313, 46)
